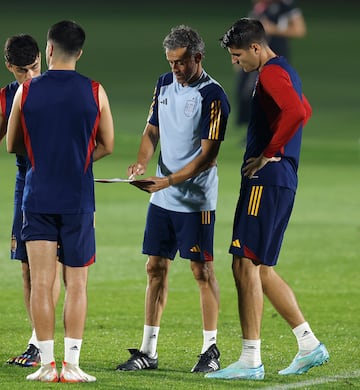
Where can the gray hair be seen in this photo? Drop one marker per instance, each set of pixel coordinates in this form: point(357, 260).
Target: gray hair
point(184, 36)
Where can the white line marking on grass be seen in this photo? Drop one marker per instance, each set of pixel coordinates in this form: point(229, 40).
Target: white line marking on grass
point(319, 381)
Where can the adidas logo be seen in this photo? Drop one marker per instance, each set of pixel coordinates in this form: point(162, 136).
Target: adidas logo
point(236, 243)
point(153, 336)
point(305, 333)
point(195, 248)
point(74, 348)
point(164, 101)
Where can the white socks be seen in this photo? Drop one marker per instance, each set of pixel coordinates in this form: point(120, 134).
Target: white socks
point(151, 334)
point(305, 337)
point(150, 339)
point(209, 338)
point(72, 350)
point(46, 351)
point(33, 339)
point(251, 353)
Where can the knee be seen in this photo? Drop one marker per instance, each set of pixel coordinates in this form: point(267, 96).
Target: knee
point(156, 268)
point(74, 278)
point(244, 269)
point(203, 272)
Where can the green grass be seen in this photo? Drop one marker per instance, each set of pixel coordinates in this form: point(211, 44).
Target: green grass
point(321, 251)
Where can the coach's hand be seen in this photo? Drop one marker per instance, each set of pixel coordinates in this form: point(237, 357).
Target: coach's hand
point(135, 169)
point(151, 184)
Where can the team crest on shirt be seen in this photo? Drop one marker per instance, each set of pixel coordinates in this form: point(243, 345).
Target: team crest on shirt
point(189, 108)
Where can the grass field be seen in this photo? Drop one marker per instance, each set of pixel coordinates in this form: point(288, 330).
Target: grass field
point(320, 257)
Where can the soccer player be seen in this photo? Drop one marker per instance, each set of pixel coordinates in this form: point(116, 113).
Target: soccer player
point(268, 186)
point(188, 117)
point(63, 121)
point(283, 21)
point(23, 60)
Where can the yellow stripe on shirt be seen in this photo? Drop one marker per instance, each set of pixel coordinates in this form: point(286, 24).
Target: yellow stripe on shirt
point(215, 115)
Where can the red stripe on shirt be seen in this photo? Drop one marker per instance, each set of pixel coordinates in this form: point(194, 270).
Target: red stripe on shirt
point(27, 142)
point(3, 102)
point(92, 140)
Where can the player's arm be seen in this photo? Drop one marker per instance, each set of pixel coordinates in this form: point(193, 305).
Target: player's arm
point(15, 136)
point(2, 127)
point(294, 28)
point(105, 134)
point(2, 114)
point(292, 112)
point(148, 144)
point(308, 109)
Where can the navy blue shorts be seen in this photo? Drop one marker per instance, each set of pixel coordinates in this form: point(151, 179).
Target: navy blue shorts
point(262, 215)
point(75, 234)
point(192, 234)
point(18, 249)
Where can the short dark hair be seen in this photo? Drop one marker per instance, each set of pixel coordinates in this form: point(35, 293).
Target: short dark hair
point(68, 35)
point(184, 36)
point(243, 33)
point(21, 50)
